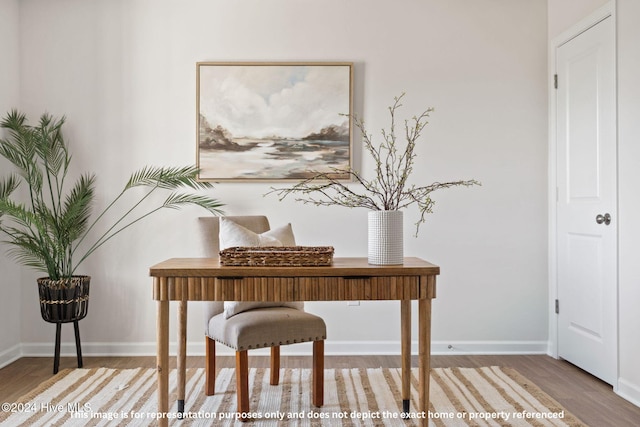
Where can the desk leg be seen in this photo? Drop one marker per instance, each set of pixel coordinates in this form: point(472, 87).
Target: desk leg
point(182, 354)
point(424, 355)
point(405, 351)
point(162, 337)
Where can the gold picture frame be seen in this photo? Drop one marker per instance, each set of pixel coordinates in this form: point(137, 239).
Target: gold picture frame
point(273, 121)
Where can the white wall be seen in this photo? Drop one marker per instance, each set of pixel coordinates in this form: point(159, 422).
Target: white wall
point(123, 72)
point(10, 285)
point(628, 13)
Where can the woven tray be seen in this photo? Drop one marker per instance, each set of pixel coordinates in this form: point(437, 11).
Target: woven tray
point(277, 256)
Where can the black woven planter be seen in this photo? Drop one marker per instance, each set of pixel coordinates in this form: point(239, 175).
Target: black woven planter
point(64, 301)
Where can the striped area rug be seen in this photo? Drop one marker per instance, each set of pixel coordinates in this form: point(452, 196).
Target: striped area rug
point(491, 396)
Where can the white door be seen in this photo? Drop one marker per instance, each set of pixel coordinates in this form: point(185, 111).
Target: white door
point(586, 201)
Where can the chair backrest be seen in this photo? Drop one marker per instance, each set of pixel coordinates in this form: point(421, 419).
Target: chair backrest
point(210, 243)
point(210, 227)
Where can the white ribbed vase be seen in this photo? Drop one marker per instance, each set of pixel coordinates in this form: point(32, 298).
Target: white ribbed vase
point(385, 237)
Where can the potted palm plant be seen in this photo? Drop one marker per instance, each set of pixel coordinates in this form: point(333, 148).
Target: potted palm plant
point(49, 225)
point(386, 194)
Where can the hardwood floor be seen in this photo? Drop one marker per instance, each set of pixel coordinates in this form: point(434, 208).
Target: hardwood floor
point(593, 401)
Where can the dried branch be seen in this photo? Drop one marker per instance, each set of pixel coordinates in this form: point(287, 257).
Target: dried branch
point(389, 190)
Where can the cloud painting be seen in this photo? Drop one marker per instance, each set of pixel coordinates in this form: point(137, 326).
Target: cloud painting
point(273, 121)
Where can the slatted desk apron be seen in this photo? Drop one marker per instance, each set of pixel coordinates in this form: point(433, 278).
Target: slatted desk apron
point(347, 279)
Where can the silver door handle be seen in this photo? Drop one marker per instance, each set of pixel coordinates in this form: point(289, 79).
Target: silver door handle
point(606, 218)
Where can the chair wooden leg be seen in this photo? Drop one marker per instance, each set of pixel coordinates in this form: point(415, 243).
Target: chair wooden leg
point(275, 365)
point(242, 383)
point(210, 367)
point(318, 373)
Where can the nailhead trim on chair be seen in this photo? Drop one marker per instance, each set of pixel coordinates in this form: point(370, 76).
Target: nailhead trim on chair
point(266, 345)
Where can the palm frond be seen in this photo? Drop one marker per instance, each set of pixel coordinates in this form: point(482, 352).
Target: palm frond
point(51, 147)
point(29, 250)
point(17, 212)
point(25, 256)
point(176, 201)
point(168, 178)
point(8, 186)
point(18, 147)
point(74, 217)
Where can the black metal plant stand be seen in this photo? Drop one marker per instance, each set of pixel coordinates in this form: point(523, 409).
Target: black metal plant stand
point(64, 301)
point(56, 356)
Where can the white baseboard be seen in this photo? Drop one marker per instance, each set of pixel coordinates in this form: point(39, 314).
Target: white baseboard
point(437, 347)
point(628, 391)
point(487, 347)
point(10, 355)
point(332, 348)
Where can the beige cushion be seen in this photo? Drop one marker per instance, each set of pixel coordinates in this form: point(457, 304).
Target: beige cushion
point(232, 234)
point(266, 327)
point(231, 308)
point(209, 227)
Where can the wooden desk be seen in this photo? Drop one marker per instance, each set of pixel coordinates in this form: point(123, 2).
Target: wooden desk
point(204, 279)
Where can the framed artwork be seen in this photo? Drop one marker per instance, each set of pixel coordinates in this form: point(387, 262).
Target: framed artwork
point(273, 121)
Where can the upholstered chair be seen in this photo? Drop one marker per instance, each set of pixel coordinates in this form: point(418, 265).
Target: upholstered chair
point(258, 327)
